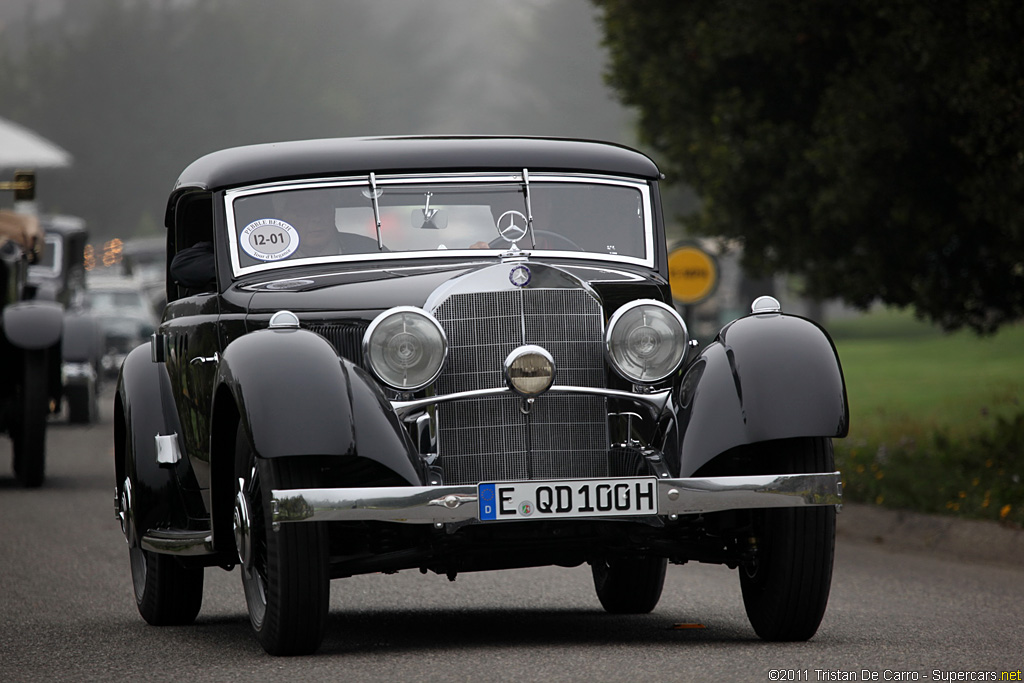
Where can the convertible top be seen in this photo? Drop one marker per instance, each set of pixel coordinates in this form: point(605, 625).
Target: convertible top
point(276, 161)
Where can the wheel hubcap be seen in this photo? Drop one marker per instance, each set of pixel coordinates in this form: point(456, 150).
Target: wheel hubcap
point(243, 530)
point(137, 556)
point(125, 513)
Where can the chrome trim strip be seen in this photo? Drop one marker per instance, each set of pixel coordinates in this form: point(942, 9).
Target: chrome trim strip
point(441, 504)
point(158, 347)
point(656, 400)
point(178, 542)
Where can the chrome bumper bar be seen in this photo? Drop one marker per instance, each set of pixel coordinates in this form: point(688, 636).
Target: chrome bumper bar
point(444, 504)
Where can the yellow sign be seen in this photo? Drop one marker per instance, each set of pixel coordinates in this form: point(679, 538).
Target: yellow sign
point(693, 274)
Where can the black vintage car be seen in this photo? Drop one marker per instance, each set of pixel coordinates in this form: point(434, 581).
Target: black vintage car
point(455, 355)
point(59, 276)
point(30, 347)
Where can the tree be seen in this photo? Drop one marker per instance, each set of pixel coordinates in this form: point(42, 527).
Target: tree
point(876, 147)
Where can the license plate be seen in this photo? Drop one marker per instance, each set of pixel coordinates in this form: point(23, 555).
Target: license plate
point(516, 501)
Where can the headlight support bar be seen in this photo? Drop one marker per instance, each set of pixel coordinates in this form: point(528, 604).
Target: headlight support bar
point(656, 400)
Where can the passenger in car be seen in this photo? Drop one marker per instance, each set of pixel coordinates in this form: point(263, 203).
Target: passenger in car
point(194, 267)
point(315, 224)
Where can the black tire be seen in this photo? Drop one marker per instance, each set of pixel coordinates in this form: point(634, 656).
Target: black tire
point(81, 402)
point(286, 580)
point(785, 591)
point(30, 431)
point(630, 585)
point(166, 593)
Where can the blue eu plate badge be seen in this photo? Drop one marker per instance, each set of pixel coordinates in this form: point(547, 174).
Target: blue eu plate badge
point(488, 510)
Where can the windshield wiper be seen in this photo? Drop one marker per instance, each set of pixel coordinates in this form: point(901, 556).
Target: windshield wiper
point(376, 209)
point(529, 207)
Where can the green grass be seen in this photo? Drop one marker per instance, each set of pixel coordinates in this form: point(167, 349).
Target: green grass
point(937, 420)
point(912, 378)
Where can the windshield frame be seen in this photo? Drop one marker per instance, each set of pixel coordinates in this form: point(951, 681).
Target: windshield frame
point(382, 181)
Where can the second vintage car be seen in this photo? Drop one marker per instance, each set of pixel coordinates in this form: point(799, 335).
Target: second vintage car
point(455, 355)
point(59, 276)
point(30, 337)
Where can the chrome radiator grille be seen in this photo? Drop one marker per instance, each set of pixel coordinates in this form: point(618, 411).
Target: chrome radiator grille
point(564, 436)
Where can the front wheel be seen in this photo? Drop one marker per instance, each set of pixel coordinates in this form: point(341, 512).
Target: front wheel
point(786, 588)
point(629, 585)
point(166, 593)
point(284, 572)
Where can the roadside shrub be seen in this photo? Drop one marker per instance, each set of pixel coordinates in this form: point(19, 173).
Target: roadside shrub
point(975, 477)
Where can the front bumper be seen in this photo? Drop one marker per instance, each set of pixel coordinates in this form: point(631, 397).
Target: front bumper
point(459, 504)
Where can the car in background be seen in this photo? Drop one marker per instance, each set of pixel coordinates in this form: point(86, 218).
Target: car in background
point(125, 316)
point(459, 354)
point(59, 275)
point(30, 342)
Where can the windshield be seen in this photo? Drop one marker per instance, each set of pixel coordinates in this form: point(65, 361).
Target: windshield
point(401, 218)
point(50, 257)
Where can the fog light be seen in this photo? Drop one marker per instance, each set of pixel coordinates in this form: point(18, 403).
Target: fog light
point(529, 370)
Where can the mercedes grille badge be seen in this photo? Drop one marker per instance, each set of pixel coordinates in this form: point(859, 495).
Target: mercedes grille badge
point(520, 276)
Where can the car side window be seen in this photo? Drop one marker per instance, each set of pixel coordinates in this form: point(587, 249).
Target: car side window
point(193, 266)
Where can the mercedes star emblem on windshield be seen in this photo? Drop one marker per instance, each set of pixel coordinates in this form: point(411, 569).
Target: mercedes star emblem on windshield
point(512, 225)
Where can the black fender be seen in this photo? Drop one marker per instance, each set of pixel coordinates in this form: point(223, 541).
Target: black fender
point(37, 326)
point(33, 325)
point(766, 376)
point(294, 396)
point(144, 408)
point(297, 397)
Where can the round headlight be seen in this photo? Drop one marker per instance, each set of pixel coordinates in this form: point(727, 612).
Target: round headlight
point(646, 341)
point(529, 370)
point(405, 348)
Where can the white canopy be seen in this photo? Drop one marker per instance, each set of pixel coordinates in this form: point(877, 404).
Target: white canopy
point(21, 148)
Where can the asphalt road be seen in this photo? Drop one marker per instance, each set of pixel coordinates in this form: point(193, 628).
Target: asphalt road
point(67, 613)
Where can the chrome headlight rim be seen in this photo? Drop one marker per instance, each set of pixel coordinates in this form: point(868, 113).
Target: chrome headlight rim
point(369, 337)
point(681, 344)
point(519, 353)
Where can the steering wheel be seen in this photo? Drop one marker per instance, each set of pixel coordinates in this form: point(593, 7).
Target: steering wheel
point(501, 242)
